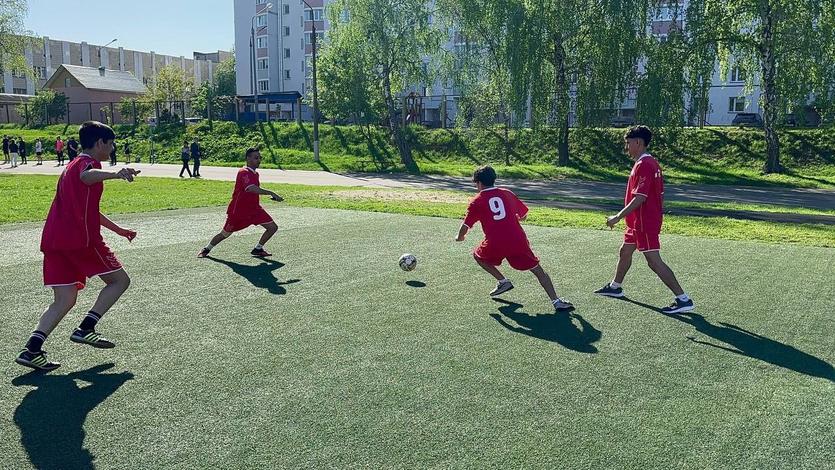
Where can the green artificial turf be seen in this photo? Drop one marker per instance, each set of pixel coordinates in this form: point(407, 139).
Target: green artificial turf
point(327, 355)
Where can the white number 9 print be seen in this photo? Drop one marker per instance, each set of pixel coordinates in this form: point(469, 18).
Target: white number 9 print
point(497, 207)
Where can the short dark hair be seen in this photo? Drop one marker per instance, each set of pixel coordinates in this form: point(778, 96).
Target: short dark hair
point(249, 151)
point(91, 131)
point(639, 132)
point(485, 175)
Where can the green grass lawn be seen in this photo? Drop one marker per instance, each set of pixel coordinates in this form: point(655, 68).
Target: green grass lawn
point(28, 197)
point(328, 355)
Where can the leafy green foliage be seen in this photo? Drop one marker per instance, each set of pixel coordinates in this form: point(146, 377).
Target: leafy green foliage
point(45, 107)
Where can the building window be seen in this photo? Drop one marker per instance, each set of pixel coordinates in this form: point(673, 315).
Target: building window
point(260, 2)
point(286, 30)
point(313, 15)
point(261, 42)
point(286, 53)
point(286, 9)
point(308, 37)
point(286, 74)
point(263, 64)
point(263, 85)
point(736, 104)
point(67, 82)
point(19, 91)
point(261, 20)
point(40, 72)
point(738, 75)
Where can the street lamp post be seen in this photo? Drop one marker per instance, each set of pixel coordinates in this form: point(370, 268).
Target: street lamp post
point(253, 56)
point(102, 47)
point(315, 90)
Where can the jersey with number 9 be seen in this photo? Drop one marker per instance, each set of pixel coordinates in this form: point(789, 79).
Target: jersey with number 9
point(499, 211)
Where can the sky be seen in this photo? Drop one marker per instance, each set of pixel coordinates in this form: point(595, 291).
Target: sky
point(170, 27)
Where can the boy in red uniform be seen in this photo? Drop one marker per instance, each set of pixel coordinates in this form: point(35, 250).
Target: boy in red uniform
point(644, 215)
point(73, 247)
point(500, 211)
point(244, 209)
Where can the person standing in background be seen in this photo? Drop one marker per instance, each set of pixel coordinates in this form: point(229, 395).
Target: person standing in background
point(5, 149)
point(113, 155)
point(126, 149)
point(21, 150)
point(185, 155)
point(59, 150)
point(195, 155)
point(13, 152)
point(72, 148)
point(39, 151)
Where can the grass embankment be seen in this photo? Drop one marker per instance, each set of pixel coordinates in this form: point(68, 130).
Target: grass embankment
point(700, 156)
point(27, 198)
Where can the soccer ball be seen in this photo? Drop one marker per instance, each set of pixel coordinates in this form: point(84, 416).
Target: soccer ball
point(407, 262)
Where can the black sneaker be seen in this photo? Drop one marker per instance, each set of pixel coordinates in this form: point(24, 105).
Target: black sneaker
point(610, 291)
point(36, 360)
point(679, 306)
point(92, 338)
point(501, 288)
point(562, 305)
point(203, 253)
point(260, 252)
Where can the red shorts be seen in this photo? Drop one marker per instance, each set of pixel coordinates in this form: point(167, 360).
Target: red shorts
point(65, 268)
point(520, 257)
point(646, 241)
point(235, 222)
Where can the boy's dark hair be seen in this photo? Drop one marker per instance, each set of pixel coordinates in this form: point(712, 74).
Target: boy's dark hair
point(91, 131)
point(250, 151)
point(640, 132)
point(485, 175)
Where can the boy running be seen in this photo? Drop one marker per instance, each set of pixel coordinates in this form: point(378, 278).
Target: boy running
point(500, 211)
point(644, 215)
point(74, 249)
point(244, 209)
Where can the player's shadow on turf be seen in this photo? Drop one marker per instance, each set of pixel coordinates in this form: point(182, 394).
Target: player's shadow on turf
point(569, 330)
point(747, 343)
point(260, 275)
point(415, 284)
point(51, 417)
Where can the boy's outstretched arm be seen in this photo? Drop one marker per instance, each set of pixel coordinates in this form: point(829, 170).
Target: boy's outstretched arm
point(110, 225)
point(462, 232)
point(93, 176)
point(263, 192)
point(639, 199)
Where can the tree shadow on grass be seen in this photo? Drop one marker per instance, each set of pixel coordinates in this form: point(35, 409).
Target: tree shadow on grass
point(569, 330)
point(51, 417)
point(740, 341)
point(260, 275)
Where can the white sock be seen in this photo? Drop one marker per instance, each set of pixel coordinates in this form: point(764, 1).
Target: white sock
point(259, 247)
point(209, 246)
point(683, 297)
point(615, 285)
point(504, 280)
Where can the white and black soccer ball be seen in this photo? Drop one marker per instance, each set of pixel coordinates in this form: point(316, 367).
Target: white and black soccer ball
point(407, 262)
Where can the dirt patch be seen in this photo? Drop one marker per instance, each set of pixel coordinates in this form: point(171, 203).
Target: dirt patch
point(402, 195)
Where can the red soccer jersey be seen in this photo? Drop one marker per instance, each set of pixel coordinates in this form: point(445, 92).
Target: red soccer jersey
point(243, 203)
point(646, 179)
point(74, 219)
point(499, 211)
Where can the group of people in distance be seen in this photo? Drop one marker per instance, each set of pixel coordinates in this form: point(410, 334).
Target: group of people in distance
point(74, 249)
point(15, 151)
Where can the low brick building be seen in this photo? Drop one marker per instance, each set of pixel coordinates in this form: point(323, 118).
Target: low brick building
point(93, 93)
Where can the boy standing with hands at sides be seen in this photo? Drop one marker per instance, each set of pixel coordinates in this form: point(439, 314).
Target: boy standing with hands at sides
point(245, 209)
point(74, 249)
point(500, 211)
point(643, 213)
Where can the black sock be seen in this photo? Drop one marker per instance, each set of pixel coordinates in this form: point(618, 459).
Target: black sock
point(35, 342)
point(89, 321)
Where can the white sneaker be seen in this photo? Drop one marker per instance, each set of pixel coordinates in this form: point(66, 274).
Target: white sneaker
point(501, 288)
point(562, 305)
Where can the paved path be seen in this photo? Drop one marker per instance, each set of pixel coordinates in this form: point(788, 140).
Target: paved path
point(810, 198)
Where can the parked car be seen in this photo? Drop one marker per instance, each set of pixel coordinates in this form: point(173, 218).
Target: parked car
point(747, 119)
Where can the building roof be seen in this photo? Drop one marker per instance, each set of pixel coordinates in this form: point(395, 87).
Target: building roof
point(92, 78)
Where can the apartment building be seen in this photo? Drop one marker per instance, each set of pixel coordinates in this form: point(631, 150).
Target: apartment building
point(45, 55)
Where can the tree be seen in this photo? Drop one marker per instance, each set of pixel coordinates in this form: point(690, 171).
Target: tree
point(131, 108)
point(224, 84)
point(786, 45)
point(45, 107)
point(13, 37)
point(395, 36)
point(170, 84)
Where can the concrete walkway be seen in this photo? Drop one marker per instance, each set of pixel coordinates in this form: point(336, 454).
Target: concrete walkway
point(809, 198)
